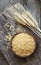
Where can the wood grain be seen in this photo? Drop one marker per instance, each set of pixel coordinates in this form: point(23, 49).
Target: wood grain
point(35, 58)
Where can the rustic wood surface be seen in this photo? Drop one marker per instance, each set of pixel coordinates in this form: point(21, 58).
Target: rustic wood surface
point(2, 59)
point(34, 59)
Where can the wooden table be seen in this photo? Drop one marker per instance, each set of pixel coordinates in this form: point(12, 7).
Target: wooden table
point(34, 59)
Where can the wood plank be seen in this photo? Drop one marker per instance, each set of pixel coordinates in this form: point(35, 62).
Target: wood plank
point(34, 59)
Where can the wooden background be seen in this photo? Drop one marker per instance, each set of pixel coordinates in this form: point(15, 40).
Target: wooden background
point(34, 8)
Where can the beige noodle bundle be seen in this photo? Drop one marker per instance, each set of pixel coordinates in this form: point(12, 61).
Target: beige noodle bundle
point(23, 44)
